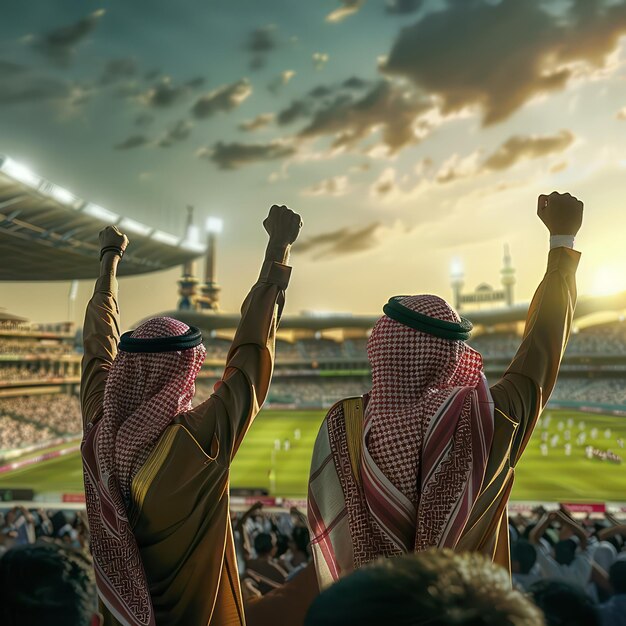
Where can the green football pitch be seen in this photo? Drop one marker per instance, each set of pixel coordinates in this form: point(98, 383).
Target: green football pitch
point(551, 477)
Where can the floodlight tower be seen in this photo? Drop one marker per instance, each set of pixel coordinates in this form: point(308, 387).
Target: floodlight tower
point(210, 288)
point(188, 283)
point(456, 281)
point(508, 275)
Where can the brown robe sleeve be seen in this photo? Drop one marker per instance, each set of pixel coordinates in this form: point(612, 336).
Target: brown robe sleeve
point(519, 397)
point(101, 335)
point(525, 388)
point(222, 421)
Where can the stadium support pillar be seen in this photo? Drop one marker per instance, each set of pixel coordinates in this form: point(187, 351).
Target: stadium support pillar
point(457, 282)
point(209, 301)
point(187, 284)
point(508, 275)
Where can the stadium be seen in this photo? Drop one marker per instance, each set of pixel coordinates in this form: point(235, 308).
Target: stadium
point(575, 456)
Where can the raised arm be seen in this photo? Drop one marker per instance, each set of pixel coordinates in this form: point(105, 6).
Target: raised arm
point(525, 388)
point(249, 366)
point(101, 328)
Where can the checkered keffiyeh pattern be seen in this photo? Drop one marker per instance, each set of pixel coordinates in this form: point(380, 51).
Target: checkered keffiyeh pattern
point(143, 394)
point(427, 429)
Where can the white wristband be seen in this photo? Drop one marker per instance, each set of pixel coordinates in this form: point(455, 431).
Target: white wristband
point(562, 241)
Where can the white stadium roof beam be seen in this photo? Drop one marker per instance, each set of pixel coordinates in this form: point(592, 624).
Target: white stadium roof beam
point(48, 233)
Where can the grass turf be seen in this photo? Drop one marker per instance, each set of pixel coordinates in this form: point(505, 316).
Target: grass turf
point(555, 477)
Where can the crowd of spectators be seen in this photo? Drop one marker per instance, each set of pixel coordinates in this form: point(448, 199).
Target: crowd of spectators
point(565, 571)
point(595, 390)
point(32, 347)
point(33, 420)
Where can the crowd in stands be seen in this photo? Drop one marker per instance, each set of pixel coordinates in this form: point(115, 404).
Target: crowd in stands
point(25, 372)
point(31, 420)
point(596, 390)
point(565, 572)
point(39, 348)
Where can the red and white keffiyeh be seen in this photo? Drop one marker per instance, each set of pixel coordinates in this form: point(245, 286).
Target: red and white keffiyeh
point(144, 393)
point(427, 431)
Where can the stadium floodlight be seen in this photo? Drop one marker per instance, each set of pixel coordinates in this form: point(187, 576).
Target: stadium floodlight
point(134, 226)
point(100, 213)
point(166, 238)
point(214, 225)
point(62, 195)
point(193, 234)
point(20, 172)
point(456, 268)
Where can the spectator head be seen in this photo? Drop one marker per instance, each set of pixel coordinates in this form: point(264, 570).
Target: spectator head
point(617, 576)
point(282, 544)
point(565, 551)
point(265, 544)
point(47, 584)
point(440, 587)
point(300, 539)
point(564, 604)
point(523, 556)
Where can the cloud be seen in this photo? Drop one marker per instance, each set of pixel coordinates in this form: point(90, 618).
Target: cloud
point(498, 56)
point(340, 242)
point(398, 113)
point(224, 98)
point(143, 120)
point(260, 42)
point(230, 156)
point(134, 141)
point(334, 186)
point(384, 185)
point(347, 8)
point(621, 115)
point(403, 7)
point(10, 69)
point(196, 82)
point(177, 133)
point(520, 147)
point(164, 94)
point(298, 109)
point(319, 60)
point(118, 69)
point(456, 167)
point(260, 121)
point(559, 167)
point(59, 44)
point(280, 81)
point(33, 89)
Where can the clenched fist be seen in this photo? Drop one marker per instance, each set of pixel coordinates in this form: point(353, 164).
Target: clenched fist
point(282, 225)
point(562, 213)
point(111, 237)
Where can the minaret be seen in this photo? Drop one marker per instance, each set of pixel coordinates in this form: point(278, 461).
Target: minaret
point(508, 275)
point(457, 282)
point(187, 284)
point(210, 288)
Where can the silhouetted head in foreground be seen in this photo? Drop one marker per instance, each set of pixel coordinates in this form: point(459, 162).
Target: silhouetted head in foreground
point(432, 588)
point(564, 604)
point(46, 584)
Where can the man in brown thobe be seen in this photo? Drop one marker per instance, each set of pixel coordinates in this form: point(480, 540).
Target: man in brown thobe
point(157, 470)
point(427, 459)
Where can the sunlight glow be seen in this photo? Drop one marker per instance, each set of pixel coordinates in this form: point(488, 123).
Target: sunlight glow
point(606, 281)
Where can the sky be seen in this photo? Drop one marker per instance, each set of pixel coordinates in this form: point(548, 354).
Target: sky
point(406, 133)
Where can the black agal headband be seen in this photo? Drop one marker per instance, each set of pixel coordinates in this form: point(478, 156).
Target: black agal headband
point(174, 343)
point(431, 325)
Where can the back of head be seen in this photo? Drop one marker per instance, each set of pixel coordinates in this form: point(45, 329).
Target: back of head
point(564, 604)
point(408, 359)
point(565, 552)
point(525, 554)
point(46, 584)
point(617, 576)
point(442, 588)
point(263, 544)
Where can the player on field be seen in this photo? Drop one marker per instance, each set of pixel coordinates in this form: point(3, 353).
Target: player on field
point(157, 470)
point(427, 457)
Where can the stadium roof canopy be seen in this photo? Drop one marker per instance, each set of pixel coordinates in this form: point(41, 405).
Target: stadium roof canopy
point(487, 317)
point(48, 233)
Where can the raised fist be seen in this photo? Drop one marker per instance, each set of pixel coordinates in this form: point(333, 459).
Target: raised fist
point(562, 213)
point(111, 237)
point(282, 225)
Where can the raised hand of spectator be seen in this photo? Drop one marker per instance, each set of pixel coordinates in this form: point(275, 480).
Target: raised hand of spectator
point(561, 213)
